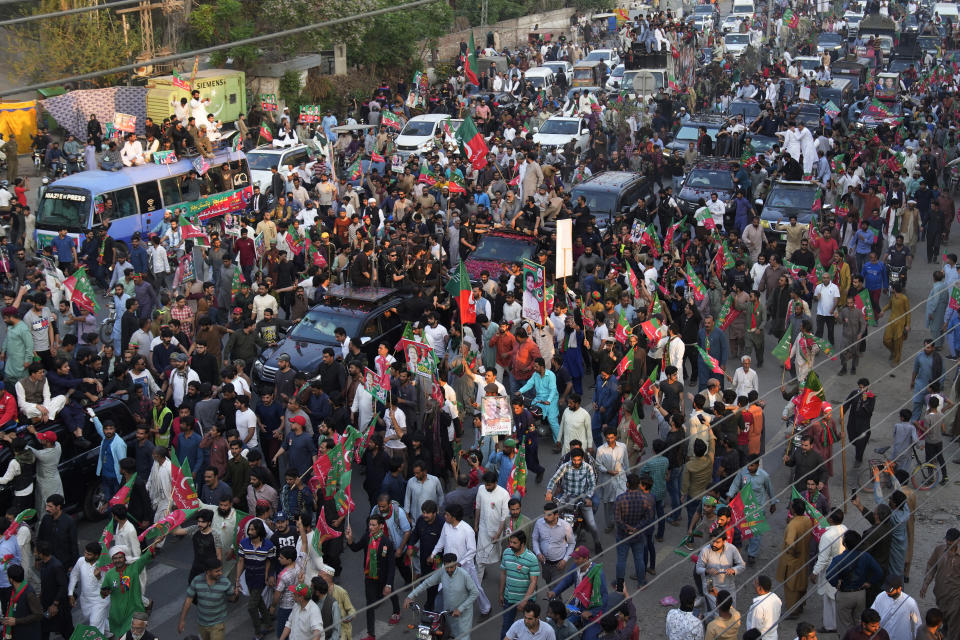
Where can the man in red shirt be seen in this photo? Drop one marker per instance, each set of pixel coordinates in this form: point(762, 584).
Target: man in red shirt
point(825, 246)
point(247, 253)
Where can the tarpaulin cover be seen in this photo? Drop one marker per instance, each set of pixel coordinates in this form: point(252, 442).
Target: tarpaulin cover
point(19, 118)
point(72, 110)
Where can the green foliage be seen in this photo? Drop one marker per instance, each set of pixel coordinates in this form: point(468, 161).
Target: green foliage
point(222, 21)
point(59, 47)
point(290, 89)
point(392, 42)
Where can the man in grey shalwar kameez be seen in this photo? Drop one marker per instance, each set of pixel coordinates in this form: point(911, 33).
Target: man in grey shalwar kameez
point(48, 475)
point(458, 591)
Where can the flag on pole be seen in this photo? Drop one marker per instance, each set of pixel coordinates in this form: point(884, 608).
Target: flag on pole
point(633, 426)
point(626, 363)
point(376, 157)
point(791, 20)
point(159, 529)
point(748, 513)
point(710, 360)
point(954, 299)
point(810, 399)
point(782, 351)
point(322, 532)
point(622, 330)
point(705, 218)
point(123, 495)
point(80, 292)
point(696, 285)
point(461, 290)
point(668, 239)
point(633, 282)
point(265, 134)
point(472, 144)
point(184, 489)
point(470, 66)
point(651, 329)
point(819, 521)
point(391, 120)
point(727, 314)
point(456, 184)
point(179, 82)
point(863, 302)
point(26, 514)
point(237, 280)
point(646, 389)
point(427, 176)
point(517, 482)
point(106, 542)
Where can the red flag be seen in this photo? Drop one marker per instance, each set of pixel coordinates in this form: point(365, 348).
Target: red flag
point(265, 134)
point(325, 530)
point(646, 389)
point(123, 496)
point(376, 157)
point(184, 491)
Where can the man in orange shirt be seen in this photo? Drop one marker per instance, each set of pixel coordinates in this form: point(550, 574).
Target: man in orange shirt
point(756, 440)
point(521, 360)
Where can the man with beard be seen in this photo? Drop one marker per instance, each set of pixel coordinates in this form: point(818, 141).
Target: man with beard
point(225, 523)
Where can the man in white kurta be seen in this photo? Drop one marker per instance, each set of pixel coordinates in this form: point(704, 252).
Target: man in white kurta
point(611, 470)
point(489, 520)
point(807, 147)
point(458, 538)
point(84, 589)
point(899, 613)
point(160, 486)
point(831, 545)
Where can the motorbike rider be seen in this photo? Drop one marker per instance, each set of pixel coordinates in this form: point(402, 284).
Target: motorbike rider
point(72, 152)
point(544, 383)
point(576, 480)
point(53, 159)
point(898, 259)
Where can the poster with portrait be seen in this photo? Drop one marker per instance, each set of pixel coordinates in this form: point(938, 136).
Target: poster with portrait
point(533, 292)
point(419, 357)
point(124, 122)
point(495, 416)
point(373, 386)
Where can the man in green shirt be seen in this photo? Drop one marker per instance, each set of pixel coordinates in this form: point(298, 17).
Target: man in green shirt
point(17, 347)
point(210, 590)
point(122, 586)
point(518, 580)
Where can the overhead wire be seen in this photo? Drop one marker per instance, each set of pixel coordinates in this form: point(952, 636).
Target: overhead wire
point(222, 47)
point(68, 12)
point(715, 485)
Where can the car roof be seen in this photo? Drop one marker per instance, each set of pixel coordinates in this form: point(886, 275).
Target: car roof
point(430, 117)
point(276, 151)
point(607, 179)
point(536, 71)
point(797, 183)
point(712, 164)
point(566, 118)
point(370, 295)
point(706, 119)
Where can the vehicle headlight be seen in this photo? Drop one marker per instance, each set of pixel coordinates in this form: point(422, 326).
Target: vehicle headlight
point(764, 224)
point(258, 367)
point(423, 633)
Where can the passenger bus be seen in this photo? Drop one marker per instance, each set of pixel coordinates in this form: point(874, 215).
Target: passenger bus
point(135, 198)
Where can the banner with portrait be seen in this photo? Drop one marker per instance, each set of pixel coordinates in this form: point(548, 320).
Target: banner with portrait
point(495, 418)
point(533, 292)
point(420, 358)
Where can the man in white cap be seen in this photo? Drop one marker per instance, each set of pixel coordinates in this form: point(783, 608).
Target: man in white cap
point(342, 598)
point(122, 585)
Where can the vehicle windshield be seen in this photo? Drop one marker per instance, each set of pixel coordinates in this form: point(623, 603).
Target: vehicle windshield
point(692, 133)
point(743, 8)
point(896, 66)
point(319, 323)
point(791, 198)
point(762, 144)
point(703, 9)
point(600, 202)
point(536, 81)
point(61, 208)
point(618, 71)
point(628, 76)
point(830, 39)
point(598, 55)
point(749, 110)
point(583, 73)
point(262, 161)
point(417, 128)
point(737, 38)
point(561, 127)
point(928, 42)
point(709, 179)
point(810, 65)
point(503, 249)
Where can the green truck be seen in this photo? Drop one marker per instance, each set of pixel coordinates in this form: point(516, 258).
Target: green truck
point(225, 88)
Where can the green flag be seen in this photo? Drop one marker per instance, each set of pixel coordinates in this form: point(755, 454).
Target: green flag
point(748, 513)
point(782, 351)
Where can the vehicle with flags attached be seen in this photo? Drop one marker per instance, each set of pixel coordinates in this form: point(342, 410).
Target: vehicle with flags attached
point(498, 249)
point(286, 160)
point(707, 176)
point(417, 136)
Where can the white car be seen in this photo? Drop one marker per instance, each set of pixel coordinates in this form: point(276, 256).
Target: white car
point(262, 159)
point(743, 10)
point(416, 137)
point(561, 67)
point(615, 78)
point(807, 65)
point(540, 78)
point(736, 43)
point(731, 24)
point(557, 131)
point(608, 56)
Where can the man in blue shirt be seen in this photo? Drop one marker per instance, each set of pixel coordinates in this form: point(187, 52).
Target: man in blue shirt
point(138, 255)
point(187, 443)
point(481, 198)
point(851, 573)
point(863, 241)
point(875, 276)
point(927, 368)
point(66, 251)
point(502, 461)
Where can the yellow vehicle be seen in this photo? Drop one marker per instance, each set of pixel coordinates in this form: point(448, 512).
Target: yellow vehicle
point(225, 88)
point(590, 73)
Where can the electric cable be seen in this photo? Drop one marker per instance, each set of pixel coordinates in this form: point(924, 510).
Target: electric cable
point(67, 12)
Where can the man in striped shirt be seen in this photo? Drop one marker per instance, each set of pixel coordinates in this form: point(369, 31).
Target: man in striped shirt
point(521, 570)
point(210, 590)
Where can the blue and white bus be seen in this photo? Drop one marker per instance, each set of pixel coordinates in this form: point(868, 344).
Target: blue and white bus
point(135, 198)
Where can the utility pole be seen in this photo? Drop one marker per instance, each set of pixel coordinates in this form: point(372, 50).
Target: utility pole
point(483, 12)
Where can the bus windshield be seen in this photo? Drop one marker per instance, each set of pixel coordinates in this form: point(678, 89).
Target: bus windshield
point(61, 208)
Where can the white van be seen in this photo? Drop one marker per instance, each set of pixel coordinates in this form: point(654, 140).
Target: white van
point(743, 9)
point(416, 137)
point(540, 78)
point(948, 11)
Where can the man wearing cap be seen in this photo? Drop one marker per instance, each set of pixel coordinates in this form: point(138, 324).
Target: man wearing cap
point(899, 613)
point(298, 445)
point(305, 621)
point(586, 572)
point(122, 585)
point(459, 593)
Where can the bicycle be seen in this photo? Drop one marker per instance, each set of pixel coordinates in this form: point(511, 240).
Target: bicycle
point(925, 475)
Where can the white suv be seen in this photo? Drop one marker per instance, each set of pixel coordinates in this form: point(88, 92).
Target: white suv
point(262, 159)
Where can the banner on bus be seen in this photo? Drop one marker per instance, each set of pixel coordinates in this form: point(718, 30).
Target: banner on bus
point(209, 207)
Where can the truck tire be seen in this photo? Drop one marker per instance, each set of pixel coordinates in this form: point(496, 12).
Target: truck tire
point(91, 500)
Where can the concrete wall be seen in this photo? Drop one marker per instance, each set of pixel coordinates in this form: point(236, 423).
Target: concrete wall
point(509, 33)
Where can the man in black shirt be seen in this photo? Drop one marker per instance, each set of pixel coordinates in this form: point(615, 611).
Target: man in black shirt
point(426, 530)
point(333, 376)
point(671, 391)
point(59, 530)
point(283, 535)
point(803, 256)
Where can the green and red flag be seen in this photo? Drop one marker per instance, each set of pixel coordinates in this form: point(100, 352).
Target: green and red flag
point(696, 285)
point(863, 302)
point(646, 389)
point(456, 183)
point(236, 281)
point(322, 532)
point(710, 360)
point(954, 299)
point(633, 282)
point(633, 425)
point(160, 529)
point(791, 20)
point(427, 176)
point(470, 66)
point(625, 363)
point(237, 143)
point(704, 217)
point(472, 144)
point(810, 399)
point(817, 204)
point(651, 329)
point(819, 521)
point(376, 157)
point(622, 330)
point(748, 514)
point(391, 120)
point(184, 489)
point(123, 495)
point(179, 82)
point(355, 170)
point(80, 291)
point(265, 134)
point(461, 290)
point(517, 482)
point(590, 590)
point(189, 230)
point(106, 542)
point(668, 238)
point(24, 515)
point(727, 314)
point(672, 83)
point(782, 351)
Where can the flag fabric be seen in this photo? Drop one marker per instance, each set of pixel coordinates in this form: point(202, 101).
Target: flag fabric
point(159, 529)
point(782, 351)
point(236, 145)
point(651, 329)
point(517, 482)
point(460, 289)
point(123, 495)
point(650, 238)
point(391, 120)
point(705, 218)
point(791, 20)
point(86, 632)
point(622, 330)
point(26, 514)
point(190, 230)
point(748, 513)
point(817, 205)
point(626, 363)
point(376, 157)
point(427, 176)
point(727, 314)
point(589, 592)
point(470, 66)
point(456, 184)
point(710, 360)
point(355, 170)
point(646, 389)
point(819, 521)
point(633, 282)
point(954, 299)
point(106, 542)
point(179, 82)
point(184, 489)
point(810, 399)
point(237, 280)
point(863, 302)
point(668, 239)
point(696, 285)
point(80, 292)
point(633, 426)
point(265, 134)
point(472, 144)
point(323, 532)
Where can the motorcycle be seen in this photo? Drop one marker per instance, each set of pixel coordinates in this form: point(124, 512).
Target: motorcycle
point(106, 326)
point(430, 625)
point(898, 275)
point(37, 158)
point(574, 517)
point(543, 426)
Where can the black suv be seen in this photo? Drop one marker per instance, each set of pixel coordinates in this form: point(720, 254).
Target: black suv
point(361, 311)
point(786, 198)
point(690, 130)
point(78, 465)
point(612, 193)
point(708, 175)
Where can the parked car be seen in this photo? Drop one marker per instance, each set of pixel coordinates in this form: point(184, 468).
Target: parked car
point(265, 157)
point(364, 312)
point(608, 56)
point(557, 131)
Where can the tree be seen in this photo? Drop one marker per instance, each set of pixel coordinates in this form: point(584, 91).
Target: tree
point(393, 42)
point(223, 21)
point(54, 48)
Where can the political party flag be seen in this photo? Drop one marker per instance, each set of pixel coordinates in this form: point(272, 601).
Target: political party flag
point(355, 170)
point(342, 498)
point(696, 285)
point(460, 289)
point(237, 280)
point(863, 302)
point(710, 360)
point(748, 513)
point(819, 520)
point(954, 298)
point(179, 82)
point(817, 205)
point(200, 165)
point(456, 183)
point(470, 66)
point(626, 363)
point(810, 399)
point(323, 532)
point(633, 282)
point(791, 20)
point(727, 314)
point(123, 495)
point(589, 591)
point(831, 109)
point(517, 482)
point(26, 514)
point(184, 489)
point(191, 230)
point(165, 157)
point(376, 157)
point(650, 238)
point(106, 541)
point(651, 329)
point(159, 529)
point(646, 389)
point(86, 632)
point(782, 351)
point(705, 218)
point(427, 176)
point(237, 143)
point(668, 238)
point(633, 422)
point(391, 120)
point(472, 144)
point(265, 134)
point(80, 292)
point(622, 330)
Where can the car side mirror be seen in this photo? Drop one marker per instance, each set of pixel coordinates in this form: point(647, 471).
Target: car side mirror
point(364, 340)
point(584, 132)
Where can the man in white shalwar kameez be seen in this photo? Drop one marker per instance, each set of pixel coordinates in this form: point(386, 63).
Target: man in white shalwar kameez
point(160, 485)
point(84, 589)
point(807, 147)
point(899, 614)
point(831, 545)
point(791, 142)
point(492, 511)
point(458, 538)
point(48, 473)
